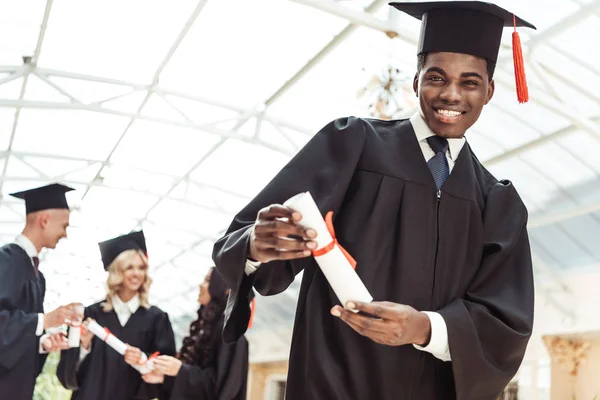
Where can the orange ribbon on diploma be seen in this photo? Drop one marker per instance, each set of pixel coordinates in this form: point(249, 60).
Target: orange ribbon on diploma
point(334, 242)
point(336, 264)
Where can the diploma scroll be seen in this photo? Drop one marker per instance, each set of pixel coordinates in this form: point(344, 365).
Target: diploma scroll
point(146, 365)
point(332, 259)
point(75, 329)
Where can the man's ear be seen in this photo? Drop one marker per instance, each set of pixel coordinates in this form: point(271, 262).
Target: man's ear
point(490, 93)
point(44, 220)
point(416, 84)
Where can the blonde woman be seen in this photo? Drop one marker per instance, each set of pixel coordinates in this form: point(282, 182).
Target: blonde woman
point(97, 372)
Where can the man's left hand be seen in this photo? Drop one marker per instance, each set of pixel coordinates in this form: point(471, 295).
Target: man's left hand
point(391, 324)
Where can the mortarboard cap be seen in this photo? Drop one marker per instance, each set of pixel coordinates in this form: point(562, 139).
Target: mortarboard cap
point(44, 198)
point(468, 27)
point(110, 249)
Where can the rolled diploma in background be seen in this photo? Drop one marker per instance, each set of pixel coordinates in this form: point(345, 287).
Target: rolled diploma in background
point(75, 331)
point(118, 345)
point(74, 336)
point(338, 271)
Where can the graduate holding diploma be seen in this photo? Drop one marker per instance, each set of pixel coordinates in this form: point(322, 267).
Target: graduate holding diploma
point(95, 370)
point(439, 243)
point(23, 344)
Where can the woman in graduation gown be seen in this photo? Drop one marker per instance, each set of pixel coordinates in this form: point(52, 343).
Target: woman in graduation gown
point(96, 371)
point(206, 368)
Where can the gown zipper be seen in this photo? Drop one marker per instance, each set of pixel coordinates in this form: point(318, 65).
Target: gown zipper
point(437, 241)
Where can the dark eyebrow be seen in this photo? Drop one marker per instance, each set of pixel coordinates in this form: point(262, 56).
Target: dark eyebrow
point(436, 69)
point(463, 75)
point(471, 75)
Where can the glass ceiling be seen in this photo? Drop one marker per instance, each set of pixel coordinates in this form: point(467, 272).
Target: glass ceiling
point(153, 110)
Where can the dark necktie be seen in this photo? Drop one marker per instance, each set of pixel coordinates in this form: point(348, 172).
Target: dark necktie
point(438, 164)
point(36, 264)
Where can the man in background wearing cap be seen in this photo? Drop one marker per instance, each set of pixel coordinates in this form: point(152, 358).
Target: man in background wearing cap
point(23, 349)
point(440, 243)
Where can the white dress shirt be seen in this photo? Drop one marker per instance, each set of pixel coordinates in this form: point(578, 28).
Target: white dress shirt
point(438, 343)
point(24, 242)
point(124, 311)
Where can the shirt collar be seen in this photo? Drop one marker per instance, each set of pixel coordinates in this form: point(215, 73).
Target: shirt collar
point(24, 242)
point(422, 131)
point(131, 306)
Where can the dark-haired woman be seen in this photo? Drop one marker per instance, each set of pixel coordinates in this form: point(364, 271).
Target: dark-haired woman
point(206, 368)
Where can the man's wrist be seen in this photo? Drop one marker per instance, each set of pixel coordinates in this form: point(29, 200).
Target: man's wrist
point(423, 335)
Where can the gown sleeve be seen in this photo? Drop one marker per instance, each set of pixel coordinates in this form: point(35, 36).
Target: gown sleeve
point(489, 328)
point(41, 357)
point(17, 328)
point(324, 167)
point(225, 382)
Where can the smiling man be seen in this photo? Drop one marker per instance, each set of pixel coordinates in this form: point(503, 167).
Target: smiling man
point(23, 346)
point(440, 243)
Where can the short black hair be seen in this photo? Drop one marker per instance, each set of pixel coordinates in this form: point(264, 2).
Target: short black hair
point(421, 58)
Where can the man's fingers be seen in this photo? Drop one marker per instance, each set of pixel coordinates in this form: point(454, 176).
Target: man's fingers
point(379, 309)
point(278, 243)
point(359, 329)
point(278, 211)
point(282, 229)
point(286, 255)
point(363, 324)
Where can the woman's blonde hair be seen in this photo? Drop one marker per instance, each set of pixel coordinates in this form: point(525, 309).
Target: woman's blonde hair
point(114, 282)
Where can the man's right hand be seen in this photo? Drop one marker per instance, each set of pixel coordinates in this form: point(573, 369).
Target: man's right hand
point(270, 238)
point(60, 316)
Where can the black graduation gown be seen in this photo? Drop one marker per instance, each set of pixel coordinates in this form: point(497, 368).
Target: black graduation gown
point(225, 380)
point(104, 374)
point(21, 299)
point(465, 255)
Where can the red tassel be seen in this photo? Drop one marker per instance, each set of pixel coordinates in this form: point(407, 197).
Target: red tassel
point(252, 308)
point(520, 80)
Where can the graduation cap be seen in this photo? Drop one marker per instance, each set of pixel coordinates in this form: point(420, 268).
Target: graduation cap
point(468, 27)
point(110, 249)
point(44, 198)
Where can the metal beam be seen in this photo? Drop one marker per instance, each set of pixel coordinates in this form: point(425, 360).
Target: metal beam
point(137, 116)
point(135, 86)
point(360, 18)
point(19, 71)
point(564, 24)
point(573, 84)
point(356, 18)
point(561, 216)
point(42, 35)
point(535, 144)
point(129, 189)
point(26, 69)
point(149, 91)
point(180, 37)
point(92, 161)
point(557, 107)
point(178, 182)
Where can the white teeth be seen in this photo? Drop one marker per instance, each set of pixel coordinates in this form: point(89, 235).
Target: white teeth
point(448, 113)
